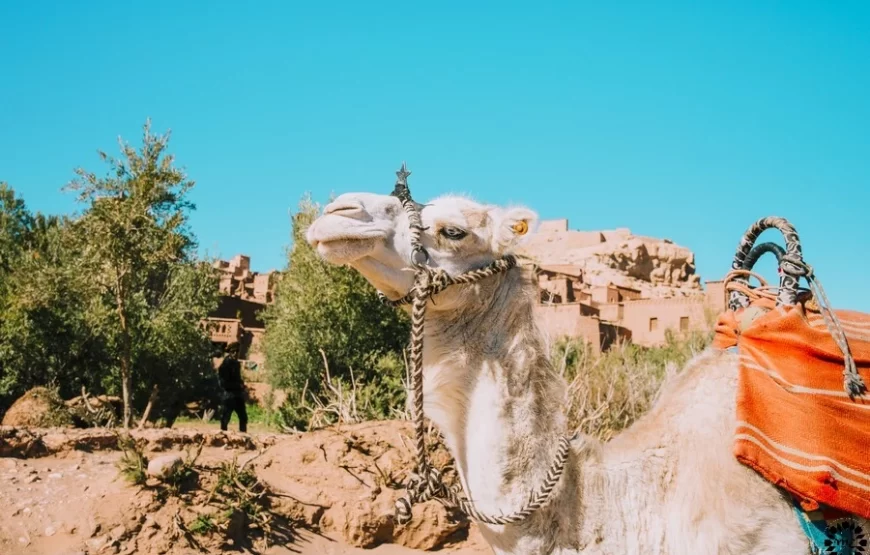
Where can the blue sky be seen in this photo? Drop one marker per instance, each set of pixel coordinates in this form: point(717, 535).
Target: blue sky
point(674, 119)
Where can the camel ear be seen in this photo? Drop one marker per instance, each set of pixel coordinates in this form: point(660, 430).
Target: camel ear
point(512, 227)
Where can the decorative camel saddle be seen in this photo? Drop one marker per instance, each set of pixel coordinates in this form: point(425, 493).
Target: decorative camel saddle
point(803, 412)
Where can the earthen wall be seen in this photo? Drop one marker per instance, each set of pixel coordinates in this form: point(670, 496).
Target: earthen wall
point(647, 319)
point(558, 321)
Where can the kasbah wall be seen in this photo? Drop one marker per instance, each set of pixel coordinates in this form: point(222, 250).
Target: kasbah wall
point(642, 321)
point(601, 312)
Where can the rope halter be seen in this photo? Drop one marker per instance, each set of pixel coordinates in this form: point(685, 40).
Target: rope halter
point(427, 482)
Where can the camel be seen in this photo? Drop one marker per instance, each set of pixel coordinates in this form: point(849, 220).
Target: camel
point(668, 484)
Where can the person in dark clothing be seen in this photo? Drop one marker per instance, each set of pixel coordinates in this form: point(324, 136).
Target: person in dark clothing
point(230, 375)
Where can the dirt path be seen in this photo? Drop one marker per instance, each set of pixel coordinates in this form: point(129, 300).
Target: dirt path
point(52, 504)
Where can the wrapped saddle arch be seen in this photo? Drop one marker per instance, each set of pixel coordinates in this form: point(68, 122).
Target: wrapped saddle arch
point(803, 413)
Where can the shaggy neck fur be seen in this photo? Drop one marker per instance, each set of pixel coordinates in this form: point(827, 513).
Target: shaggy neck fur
point(490, 388)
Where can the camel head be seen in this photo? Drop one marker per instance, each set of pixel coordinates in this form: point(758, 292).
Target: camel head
point(370, 233)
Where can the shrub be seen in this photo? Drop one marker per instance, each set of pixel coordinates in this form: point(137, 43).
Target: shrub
point(328, 334)
point(606, 394)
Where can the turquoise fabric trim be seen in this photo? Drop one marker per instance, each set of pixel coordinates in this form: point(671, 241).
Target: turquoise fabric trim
point(838, 537)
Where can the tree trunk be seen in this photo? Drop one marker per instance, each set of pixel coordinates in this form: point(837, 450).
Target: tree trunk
point(126, 354)
point(126, 386)
point(151, 400)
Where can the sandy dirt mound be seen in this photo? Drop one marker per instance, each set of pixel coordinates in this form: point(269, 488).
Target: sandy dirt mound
point(346, 481)
point(38, 407)
point(325, 492)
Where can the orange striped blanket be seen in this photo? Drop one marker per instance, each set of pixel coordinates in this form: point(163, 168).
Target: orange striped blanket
point(796, 425)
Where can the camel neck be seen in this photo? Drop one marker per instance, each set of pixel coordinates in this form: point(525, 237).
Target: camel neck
point(490, 388)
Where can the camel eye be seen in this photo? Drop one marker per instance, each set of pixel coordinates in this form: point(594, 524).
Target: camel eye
point(453, 233)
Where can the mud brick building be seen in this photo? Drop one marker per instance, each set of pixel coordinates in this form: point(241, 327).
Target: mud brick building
point(243, 296)
point(604, 286)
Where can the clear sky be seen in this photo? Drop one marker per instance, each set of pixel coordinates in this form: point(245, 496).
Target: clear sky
point(674, 119)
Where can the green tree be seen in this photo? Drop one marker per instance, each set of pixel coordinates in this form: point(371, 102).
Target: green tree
point(175, 358)
point(134, 241)
point(15, 225)
point(45, 338)
point(323, 307)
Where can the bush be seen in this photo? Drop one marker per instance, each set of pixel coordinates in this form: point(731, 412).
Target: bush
point(349, 401)
point(330, 341)
point(608, 393)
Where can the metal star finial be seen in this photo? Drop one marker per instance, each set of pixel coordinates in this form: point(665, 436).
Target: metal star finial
point(402, 175)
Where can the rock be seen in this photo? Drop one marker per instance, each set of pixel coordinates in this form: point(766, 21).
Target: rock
point(160, 467)
point(96, 543)
point(55, 476)
point(431, 526)
point(31, 479)
point(359, 523)
point(94, 528)
point(312, 470)
point(50, 531)
point(118, 533)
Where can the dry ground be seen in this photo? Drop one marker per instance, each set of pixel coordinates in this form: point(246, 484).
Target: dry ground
point(61, 493)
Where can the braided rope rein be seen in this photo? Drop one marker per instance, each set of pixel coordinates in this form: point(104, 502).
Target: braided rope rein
point(427, 482)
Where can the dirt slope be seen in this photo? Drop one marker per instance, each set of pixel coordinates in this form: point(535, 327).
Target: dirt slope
point(326, 492)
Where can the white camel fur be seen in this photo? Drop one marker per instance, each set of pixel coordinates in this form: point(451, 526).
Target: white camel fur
point(667, 485)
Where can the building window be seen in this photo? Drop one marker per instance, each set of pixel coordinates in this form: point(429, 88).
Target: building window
point(684, 323)
point(653, 324)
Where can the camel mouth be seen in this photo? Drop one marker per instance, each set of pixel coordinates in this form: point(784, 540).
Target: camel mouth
point(341, 240)
point(344, 250)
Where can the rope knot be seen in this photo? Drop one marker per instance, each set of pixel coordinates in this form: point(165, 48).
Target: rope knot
point(422, 486)
point(793, 265)
point(439, 280)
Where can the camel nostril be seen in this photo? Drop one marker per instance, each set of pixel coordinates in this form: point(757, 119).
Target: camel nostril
point(348, 207)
